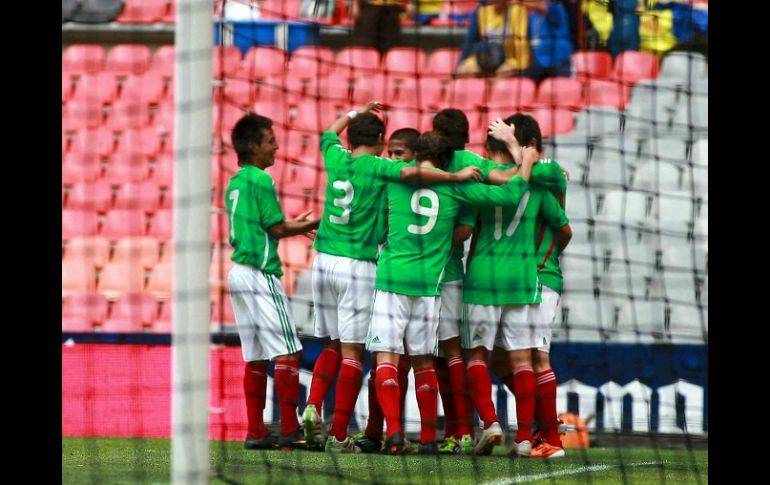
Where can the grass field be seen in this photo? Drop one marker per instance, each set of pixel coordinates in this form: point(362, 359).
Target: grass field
point(127, 461)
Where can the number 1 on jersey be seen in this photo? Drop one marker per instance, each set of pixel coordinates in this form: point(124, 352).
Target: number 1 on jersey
point(233, 197)
point(514, 222)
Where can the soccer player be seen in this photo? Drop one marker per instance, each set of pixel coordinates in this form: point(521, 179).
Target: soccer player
point(344, 269)
point(405, 312)
point(502, 289)
point(262, 313)
point(516, 131)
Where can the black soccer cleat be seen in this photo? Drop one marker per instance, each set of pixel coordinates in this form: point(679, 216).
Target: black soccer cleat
point(427, 448)
point(293, 440)
point(395, 444)
point(269, 442)
point(368, 445)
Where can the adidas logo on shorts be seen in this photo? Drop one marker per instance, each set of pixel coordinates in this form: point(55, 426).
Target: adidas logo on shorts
point(476, 337)
point(375, 340)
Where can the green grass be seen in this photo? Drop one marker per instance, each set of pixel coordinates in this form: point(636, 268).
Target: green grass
point(129, 461)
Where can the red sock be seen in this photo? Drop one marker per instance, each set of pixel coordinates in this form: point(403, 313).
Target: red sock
point(447, 397)
point(404, 364)
point(287, 388)
point(524, 384)
point(545, 410)
point(375, 421)
point(481, 391)
point(324, 372)
point(462, 402)
point(348, 386)
point(508, 381)
point(426, 386)
point(386, 381)
point(255, 388)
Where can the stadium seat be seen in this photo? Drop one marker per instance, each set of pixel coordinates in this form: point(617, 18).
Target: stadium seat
point(315, 117)
point(219, 227)
point(672, 150)
point(610, 94)
point(309, 62)
point(404, 60)
point(138, 195)
point(128, 114)
point(97, 88)
point(142, 251)
point(586, 318)
point(92, 196)
point(688, 323)
point(142, 11)
point(560, 92)
point(691, 118)
point(76, 222)
point(357, 62)
point(121, 277)
point(163, 61)
point(127, 167)
point(685, 257)
point(80, 167)
point(131, 312)
point(401, 92)
point(404, 118)
point(631, 67)
point(280, 9)
point(77, 275)
point(226, 61)
point(554, 121)
point(148, 88)
point(160, 282)
point(696, 178)
point(94, 250)
point(700, 152)
point(674, 214)
point(594, 122)
point(163, 171)
point(79, 59)
point(684, 66)
point(592, 65)
point(640, 321)
point(82, 310)
point(128, 59)
point(441, 63)
point(221, 263)
point(263, 61)
point(650, 110)
point(164, 322)
point(119, 223)
point(369, 88)
point(512, 94)
point(609, 169)
point(97, 11)
point(302, 303)
point(161, 225)
point(581, 203)
point(142, 140)
point(77, 114)
point(658, 176)
point(465, 93)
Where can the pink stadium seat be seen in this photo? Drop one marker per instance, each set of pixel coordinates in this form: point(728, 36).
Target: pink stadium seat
point(294, 199)
point(163, 118)
point(163, 172)
point(131, 313)
point(170, 16)
point(97, 140)
point(237, 92)
point(164, 322)
point(226, 61)
point(121, 277)
point(162, 225)
point(466, 94)
point(275, 109)
point(66, 87)
point(301, 145)
point(606, 93)
point(82, 310)
point(98, 88)
point(219, 268)
point(356, 62)
point(77, 114)
point(142, 11)
point(127, 59)
point(92, 196)
point(148, 88)
point(592, 65)
point(223, 119)
point(219, 227)
point(163, 61)
point(280, 9)
point(128, 114)
point(261, 62)
point(410, 60)
point(554, 121)
point(222, 311)
point(560, 92)
point(405, 118)
point(309, 62)
point(369, 88)
point(94, 250)
point(77, 276)
point(82, 58)
point(160, 284)
point(143, 140)
point(127, 167)
point(442, 62)
point(140, 195)
point(315, 117)
point(512, 94)
point(141, 251)
point(119, 223)
point(275, 86)
point(75, 222)
point(80, 167)
point(401, 92)
point(632, 66)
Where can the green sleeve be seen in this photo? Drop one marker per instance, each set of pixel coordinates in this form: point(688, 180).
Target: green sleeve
point(470, 159)
point(548, 174)
point(270, 212)
point(552, 212)
point(467, 215)
point(331, 142)
point(508, 194)
point(381, 229)
point(387, 169)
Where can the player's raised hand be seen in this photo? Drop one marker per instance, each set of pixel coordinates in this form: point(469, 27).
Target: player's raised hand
point(468, 173)
point(375, 106)
point(502, 131)
point(530, 155)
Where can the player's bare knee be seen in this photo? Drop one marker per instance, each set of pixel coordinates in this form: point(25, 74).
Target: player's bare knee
point(520, 357)
point(352, 351)
point(540, 361)
point(421, 361)
point(451, 347)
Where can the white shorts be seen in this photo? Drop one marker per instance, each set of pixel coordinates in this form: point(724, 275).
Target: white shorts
point(400, 321)
point(342, 297)
point(451, 314)
point(510, 327)
point(262, 314)
point(546, 314)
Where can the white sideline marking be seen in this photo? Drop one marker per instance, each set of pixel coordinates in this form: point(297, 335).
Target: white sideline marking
point(561, 473)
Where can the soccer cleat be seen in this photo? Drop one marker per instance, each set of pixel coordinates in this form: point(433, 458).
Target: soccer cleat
point(522, 449)
point(367, 444)
point(428, 448)
point(312, 426)
point(269, 442)
point(396, 444)
point(293, 440)
point(450, 445)
point(489, 438)
point(546, 450)
point(466, 445)
point(345, 446)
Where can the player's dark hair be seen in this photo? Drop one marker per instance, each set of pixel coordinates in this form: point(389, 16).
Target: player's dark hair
point(406, 135)
point(250, 128)
point(527, 130)
point(453, 124)
point(435, 147)
point(493, 145)
point(366, 129)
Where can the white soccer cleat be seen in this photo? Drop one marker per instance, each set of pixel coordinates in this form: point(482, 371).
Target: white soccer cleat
point(489, 438)
point(522, 449)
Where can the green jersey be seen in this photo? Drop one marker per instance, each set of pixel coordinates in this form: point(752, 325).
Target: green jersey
point(252, 208)
point(502, 267)
point(465, 158)
point(353, 200)
point(546, 254)
point(454, 267)
point(420, 225)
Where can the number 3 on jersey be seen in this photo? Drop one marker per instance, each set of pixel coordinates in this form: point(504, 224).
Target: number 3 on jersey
point(343, 202)
point(431, 211)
